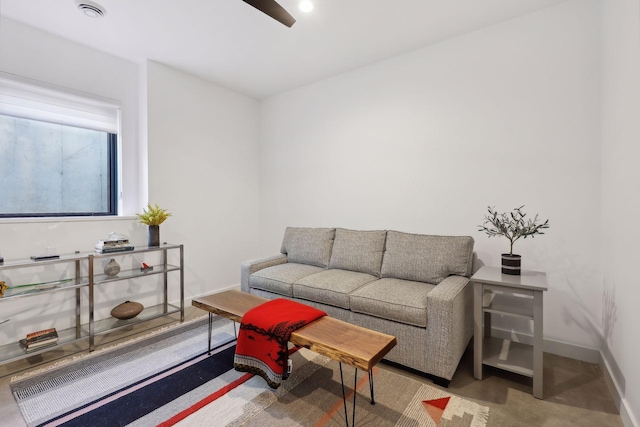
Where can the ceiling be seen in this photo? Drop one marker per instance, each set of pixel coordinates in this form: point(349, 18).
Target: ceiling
point(234, 45)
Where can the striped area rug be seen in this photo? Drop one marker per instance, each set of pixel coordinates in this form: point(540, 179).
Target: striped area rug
point(167, 379)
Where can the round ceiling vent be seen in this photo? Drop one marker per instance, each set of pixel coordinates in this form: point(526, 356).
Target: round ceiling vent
point(90, 9)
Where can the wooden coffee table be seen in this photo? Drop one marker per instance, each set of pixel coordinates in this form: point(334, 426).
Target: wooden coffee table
point(341, 341)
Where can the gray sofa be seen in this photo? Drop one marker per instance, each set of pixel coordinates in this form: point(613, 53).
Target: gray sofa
point(412, 286)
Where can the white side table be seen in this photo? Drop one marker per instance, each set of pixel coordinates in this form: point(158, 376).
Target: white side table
point(515, 296)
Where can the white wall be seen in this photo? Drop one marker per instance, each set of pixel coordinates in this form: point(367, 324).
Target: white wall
point(620, 201)
point(31, 53)
point(203, 168)
point(37, 55)
point(423, 142)
point(202, 163)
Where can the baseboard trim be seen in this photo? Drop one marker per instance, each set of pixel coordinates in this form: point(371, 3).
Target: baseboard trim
point(628, 420)
point(187, 300)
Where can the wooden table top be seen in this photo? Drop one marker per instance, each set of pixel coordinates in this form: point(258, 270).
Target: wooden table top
point(341, 341)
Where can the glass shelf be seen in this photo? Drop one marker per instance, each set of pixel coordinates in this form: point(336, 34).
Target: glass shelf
point(34, 290)
point(110, 324)
point(13, 351)
point(132, 274)
point(21, 263)
point(136, 250)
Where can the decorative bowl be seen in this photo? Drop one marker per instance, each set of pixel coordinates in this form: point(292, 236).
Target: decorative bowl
point(127, 310)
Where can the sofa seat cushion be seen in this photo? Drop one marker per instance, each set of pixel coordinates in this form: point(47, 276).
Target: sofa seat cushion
point(308, 245)
point(400, 300)
point(279, 278)
point(330, 287)
point(358, 251)
point(424, 258)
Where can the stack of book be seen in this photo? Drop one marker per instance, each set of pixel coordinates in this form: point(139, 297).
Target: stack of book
point(37, 340)
point(110, 246)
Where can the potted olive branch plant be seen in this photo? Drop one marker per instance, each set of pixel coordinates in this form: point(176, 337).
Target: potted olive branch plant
point(153, 216)
point(513, 226)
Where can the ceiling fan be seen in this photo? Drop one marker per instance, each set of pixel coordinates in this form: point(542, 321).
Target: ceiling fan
point(274, 10)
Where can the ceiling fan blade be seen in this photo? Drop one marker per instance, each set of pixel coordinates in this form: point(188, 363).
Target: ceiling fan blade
point(274, 10)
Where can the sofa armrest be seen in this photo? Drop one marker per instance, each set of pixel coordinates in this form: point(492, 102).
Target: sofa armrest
point(450, 322)
point(247, 268)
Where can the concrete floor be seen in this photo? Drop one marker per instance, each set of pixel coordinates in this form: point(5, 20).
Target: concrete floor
point(575, 393)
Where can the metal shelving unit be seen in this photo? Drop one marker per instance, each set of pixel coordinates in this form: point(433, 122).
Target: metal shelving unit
point(12, 351)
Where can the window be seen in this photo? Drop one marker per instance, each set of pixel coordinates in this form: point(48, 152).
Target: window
point(58, 152)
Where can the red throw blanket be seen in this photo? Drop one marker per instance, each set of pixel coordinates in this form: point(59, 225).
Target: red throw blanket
point(264, 334)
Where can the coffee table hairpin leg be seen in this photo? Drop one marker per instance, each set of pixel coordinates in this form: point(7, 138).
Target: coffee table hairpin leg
point(355, 393)
point(210, 331)
point(235, 332)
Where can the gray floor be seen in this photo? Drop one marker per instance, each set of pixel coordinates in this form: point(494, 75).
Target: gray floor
point(575, 392)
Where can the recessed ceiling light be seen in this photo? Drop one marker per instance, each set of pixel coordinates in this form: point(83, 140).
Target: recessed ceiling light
point(306, 6)
point(90, 9)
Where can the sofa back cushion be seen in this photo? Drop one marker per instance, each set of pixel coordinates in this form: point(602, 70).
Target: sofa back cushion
point(310, 246)
point(425, 258)
point(359, 251)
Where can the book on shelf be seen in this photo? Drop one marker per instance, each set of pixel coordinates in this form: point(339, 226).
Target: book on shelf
point(40, 336)
point(109, 243)
point(39, 339)
point(41, 343)
point(113, 245)
point(112, 249)
point(33, 347)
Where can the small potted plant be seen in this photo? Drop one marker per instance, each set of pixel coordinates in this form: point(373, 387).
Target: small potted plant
point(153, 216)
point(513, 226)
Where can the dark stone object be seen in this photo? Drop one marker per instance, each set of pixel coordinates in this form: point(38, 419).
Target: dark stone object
point(127, 310)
